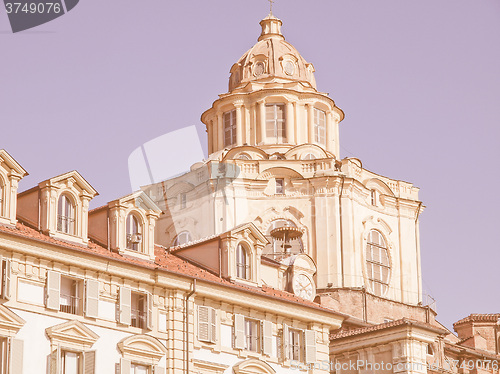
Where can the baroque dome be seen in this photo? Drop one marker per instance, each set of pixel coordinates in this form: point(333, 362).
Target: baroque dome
point(271, 60)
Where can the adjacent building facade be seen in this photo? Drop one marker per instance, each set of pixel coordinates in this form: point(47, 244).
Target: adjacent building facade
point(274, 255)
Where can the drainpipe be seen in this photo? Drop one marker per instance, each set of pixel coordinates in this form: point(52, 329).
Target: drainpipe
point(341, 232)
point(186, 330)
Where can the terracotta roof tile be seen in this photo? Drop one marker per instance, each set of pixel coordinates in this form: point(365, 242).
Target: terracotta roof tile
point(478, 318)
point(163, 261)
point(400, 322)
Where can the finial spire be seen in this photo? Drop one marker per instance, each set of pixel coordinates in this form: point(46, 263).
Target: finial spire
point(271, 6)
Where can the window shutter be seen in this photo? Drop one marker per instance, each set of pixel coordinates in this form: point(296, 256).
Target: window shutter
point(54, 361)
point(149, 315)
point(125, 306)
point(239, 331)
point(204, 323)
point(158, 370)
point(16, 356)
point(267, 338)
point(53, 290)
point(91, 298)
point(285, 340)
point(213, 325)
point(89, 362)
point(310, 346)
point(125, 366)
point(6, 280)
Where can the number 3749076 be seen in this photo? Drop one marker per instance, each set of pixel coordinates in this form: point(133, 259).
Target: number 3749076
point(33, 8)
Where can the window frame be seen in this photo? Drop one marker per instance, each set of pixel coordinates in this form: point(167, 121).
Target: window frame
point(66, 223)
point(177, 242)
point(243, 268)
point(319, 126)
point(253, 335)
point(229, 120)
point(295, 344)
point(134, 233)
point(275, 126)
point(375, 264)
point(2, 198)
point(62, 357)
point(279, 185)
point(75, 306)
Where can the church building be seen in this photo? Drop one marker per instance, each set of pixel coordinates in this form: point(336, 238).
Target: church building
point(273, 255)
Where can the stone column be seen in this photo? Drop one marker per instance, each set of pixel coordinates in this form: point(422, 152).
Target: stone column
point(10, 203)
point(330, 134)
point(262, 120)
point(310, 122)
point(220, 133)
point(239, 124)
point(210, 130)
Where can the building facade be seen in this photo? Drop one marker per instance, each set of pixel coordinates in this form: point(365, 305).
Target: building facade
point(274, 255)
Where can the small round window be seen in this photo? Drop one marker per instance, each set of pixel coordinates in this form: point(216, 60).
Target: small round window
point(377, 263)
point(259, 68)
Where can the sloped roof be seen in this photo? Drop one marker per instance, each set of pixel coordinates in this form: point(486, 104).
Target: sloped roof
point(478, 318)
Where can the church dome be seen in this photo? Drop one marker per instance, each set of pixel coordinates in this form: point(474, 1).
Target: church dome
point(271, 60)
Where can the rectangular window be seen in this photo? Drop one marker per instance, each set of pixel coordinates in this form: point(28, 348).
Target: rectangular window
point(138, 310)
point(275, 122)
point(280, 186)
point(373, 197)
point(139, 369)
point(4, 278)
point(70, 298)
point(207, 324)
point(230, 128)
point(252, 335)
point(71, 362)
point(1, 200)
point(319, 126)
point(294, 342)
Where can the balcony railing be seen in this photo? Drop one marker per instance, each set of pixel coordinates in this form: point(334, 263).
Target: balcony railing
point(69, 304)
point(138, 318)
point(66, 224)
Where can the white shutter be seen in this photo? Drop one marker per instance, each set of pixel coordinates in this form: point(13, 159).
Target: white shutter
point(239, 331)
point(310, 346)
point(6, 281)
point(53, 290)
point(204, 323)
point(149, 311)
point(54, 361)
point(16, 356)
point(267, 338)
point(91, 298)
point(213, 325)
point(285, 341)
point(89, 362)
point(125, 366)
point(125, 306)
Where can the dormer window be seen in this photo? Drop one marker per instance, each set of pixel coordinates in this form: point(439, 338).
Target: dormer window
point(66, 215)
point(230, 128)
point(276, 122)
point(319, 126)
point(242, 262)
point(134, 233)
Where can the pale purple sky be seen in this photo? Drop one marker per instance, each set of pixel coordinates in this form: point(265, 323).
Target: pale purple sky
point(419, 82)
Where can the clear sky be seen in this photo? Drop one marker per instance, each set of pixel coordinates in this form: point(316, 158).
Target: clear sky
point(419, 82)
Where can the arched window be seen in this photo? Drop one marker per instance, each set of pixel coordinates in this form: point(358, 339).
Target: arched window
point(66, 215)
point(242, 262)
point(377, 263)
point(275, 122)
point(309, 156)
point(134, 233)
point(182, 238)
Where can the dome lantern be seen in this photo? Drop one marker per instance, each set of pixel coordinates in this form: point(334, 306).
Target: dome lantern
point(271, 28)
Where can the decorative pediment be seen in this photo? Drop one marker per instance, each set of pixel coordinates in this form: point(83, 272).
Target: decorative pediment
point(72, 180)
point(303, 149)
point(253, 366)
point(248, 230)
point(143, 348)
point(72, 334)
point(380, 186)
point(138, 199)
point(10, 165)
point(10, 322)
